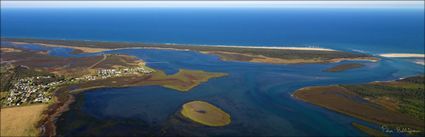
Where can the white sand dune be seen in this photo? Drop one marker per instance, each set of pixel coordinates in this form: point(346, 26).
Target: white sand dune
point(420, 62)
point(283, 48)
point(402, 55)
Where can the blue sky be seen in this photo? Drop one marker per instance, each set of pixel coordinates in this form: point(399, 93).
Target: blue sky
point(174, 4)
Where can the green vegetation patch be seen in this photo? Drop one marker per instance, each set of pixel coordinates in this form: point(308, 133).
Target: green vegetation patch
point(409, 93)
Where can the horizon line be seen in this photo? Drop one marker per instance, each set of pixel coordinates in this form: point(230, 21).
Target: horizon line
point(212, 4)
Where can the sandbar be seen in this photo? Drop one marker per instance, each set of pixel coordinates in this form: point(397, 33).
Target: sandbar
point(10, 50)
point(80, 49)
point(258, 54)
point(344, 67)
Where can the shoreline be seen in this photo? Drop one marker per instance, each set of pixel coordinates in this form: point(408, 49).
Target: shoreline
point(65, 98)
point(56, 109)
point(93, 50)
point(258, 54)
point(184, 44)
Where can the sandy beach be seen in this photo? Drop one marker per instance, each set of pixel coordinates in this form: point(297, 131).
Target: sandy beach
point(402, 55)
point(282, 48)
point(420, 62)
point(93, 50)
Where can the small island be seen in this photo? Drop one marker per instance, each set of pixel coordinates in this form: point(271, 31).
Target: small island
point(396, 104)
point(344, 67)
point(205, 114)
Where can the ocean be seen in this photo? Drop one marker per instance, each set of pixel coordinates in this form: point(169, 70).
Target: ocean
point(366, 30)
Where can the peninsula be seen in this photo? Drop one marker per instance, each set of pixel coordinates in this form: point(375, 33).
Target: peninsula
point(396, 104)
point(273, 55)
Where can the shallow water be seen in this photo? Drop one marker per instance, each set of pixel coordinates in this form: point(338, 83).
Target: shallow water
point(257, 96)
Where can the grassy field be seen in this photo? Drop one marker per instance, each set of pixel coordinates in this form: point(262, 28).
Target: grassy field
point(21, 121)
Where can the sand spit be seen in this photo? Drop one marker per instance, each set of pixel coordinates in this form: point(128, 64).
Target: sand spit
point(83, 49)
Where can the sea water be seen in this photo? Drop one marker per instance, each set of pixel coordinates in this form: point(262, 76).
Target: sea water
point(362, 29)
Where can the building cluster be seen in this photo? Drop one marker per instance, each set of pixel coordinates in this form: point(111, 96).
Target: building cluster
point(30, 90)
point(108, 73)
point(119, 72)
